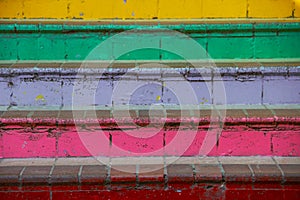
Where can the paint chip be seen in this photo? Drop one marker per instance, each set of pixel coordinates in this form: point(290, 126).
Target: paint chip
point(158, 98)
point(40, 97)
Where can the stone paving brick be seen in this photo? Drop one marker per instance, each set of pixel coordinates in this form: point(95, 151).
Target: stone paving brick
point(15, 114)
point(266, 173)
point(206, 173)
point(71, 114)
point(45, 114)
point(103, 113)
point(287, 160)
point(36, 174)
point(291, 172)
point(287, 113)
point(123, 173)
point(121, 114)
point(178, 113)
point(65, 174)
point(234, 113)
point(257, 113)
point(78, 161)
point(10, 175)
point(180, 173)
point(27, 162)
point(237, 173)
point(151, 173)
point(246, 160)
point(94, 174)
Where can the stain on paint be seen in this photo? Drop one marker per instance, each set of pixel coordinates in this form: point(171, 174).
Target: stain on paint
point(24, 144)
point(158, 98)
point(203, 100)
point(40, 97)
point(125, 1)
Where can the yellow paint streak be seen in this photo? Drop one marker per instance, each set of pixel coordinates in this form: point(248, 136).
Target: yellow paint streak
point(147, 9)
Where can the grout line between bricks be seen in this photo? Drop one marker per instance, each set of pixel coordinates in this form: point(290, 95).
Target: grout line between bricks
point(252, 173)
point(194, 173)
point(137, 168)
point(222, 170)
point(50, 173)
point(20, 177)
point(245, 112)
point(79, 174)
point(281, 171)
point(165, 174)
point(108, 177)
point(30, 114)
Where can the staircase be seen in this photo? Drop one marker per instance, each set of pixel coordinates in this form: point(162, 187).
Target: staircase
point(134, 99)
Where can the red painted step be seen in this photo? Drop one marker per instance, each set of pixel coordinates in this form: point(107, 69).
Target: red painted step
point(152, 177)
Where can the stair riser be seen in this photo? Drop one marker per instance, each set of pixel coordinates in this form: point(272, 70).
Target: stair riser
point(66, 41)
point(52, 141)
point(123, 86)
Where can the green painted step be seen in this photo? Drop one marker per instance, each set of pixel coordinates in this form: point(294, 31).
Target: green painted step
point(65, 41)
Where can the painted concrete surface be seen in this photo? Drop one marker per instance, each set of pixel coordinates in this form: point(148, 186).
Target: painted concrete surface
point(286, 91)
point(247, 131)
point(67, 142)
point(219, 40)
point(187, 177)
point(64, 87)
point(5, 94)
point(205, 160)
point(153, 9)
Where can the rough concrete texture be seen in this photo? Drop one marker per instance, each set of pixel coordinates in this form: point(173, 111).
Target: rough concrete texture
point(49, 87)
point(52, 133)
point(159, 9)
point(66, 41)
point(67, 142)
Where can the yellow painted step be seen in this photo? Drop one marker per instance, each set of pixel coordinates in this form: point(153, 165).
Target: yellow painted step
point(148, 9)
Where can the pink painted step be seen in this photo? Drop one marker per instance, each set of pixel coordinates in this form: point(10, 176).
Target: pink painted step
point(245, 132)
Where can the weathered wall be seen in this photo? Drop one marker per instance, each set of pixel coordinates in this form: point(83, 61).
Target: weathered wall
point(148, 9)
point(67, 41)
point(267, 131)
point(45, 86)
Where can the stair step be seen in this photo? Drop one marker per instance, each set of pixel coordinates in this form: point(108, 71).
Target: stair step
point(176, 83)
point(243, 131)
point(213, 177)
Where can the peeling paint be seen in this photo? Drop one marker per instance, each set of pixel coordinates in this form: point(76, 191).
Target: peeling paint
point(236, 140)
point(274, 85)
point(74, 42)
